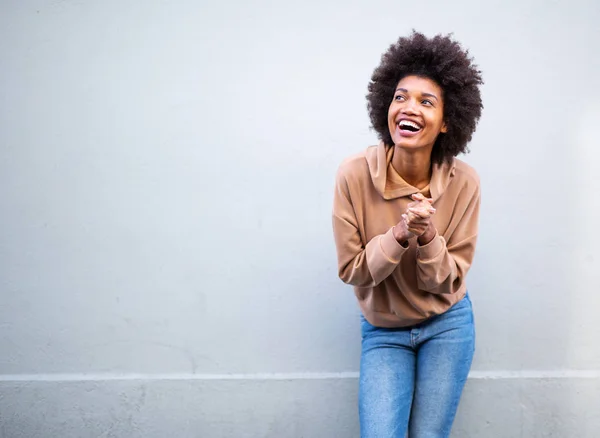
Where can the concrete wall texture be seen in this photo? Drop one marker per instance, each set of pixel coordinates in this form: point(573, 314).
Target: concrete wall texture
point(167, 265)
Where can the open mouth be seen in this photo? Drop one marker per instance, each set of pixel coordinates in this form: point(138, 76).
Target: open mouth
point(409, 126)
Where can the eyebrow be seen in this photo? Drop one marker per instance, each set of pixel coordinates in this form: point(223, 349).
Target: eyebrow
point(423, 94)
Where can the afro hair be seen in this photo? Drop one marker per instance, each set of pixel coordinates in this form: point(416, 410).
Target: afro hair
point(445, 62)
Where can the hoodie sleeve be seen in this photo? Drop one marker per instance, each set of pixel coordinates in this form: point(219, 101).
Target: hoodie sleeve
point(358, 264)
point(442, 266)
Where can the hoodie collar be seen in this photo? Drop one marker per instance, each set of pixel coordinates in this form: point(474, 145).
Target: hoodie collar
point(390, 184)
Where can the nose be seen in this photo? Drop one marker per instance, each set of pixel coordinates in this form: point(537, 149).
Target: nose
point(409, 107)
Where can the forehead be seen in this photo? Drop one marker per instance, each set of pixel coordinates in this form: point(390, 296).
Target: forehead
point(419, 84)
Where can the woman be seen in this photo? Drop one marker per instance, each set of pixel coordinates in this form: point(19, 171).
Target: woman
point(405, 221)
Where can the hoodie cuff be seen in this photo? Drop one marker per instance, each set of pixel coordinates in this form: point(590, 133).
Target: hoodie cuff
point(432, 249)
point(390, 246)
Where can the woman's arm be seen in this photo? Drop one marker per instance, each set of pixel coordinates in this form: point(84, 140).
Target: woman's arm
point(442, 266)
point(360, 265)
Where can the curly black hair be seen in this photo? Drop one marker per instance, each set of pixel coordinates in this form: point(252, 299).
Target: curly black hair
point(445, 62)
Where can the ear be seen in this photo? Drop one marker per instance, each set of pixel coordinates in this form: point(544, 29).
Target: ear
point(444, 128)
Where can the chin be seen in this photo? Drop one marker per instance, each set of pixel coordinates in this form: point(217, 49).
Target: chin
point(407, 144)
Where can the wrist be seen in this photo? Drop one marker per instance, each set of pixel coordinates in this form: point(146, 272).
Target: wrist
point(427, 236)
point(401, 236)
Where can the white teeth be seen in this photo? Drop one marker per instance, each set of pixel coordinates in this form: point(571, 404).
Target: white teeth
point(409, 123)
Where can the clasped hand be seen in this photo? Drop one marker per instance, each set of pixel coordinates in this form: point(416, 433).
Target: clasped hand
point(416, 221)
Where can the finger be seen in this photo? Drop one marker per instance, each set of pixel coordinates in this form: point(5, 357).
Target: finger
point(419, 228)
point(415, 224)
point(421, 204)
point(420, 212)
point(425, 207)
point(412, 217)
point(418, 222)
point(416, 231)
point(420, 198)
point(426, 202)
point(417, 215)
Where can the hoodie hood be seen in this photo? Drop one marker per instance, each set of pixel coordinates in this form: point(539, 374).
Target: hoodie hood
point(391, 186)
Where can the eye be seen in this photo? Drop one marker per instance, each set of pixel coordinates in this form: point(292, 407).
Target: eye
point(427, 102)
point(400, 98)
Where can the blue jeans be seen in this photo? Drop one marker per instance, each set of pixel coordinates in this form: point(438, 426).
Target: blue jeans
point(411, 378)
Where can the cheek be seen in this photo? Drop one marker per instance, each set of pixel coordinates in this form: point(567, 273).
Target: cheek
point(438, 122)
point(390, 114)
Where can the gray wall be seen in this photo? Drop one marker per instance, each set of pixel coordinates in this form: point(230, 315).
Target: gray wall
point(166, 257)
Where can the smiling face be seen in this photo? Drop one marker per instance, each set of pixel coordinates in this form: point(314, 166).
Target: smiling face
point(416, 114)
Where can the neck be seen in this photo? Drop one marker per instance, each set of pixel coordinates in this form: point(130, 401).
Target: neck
point(414, 166)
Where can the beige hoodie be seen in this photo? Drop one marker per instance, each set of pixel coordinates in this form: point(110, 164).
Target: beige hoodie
point(397, 286)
